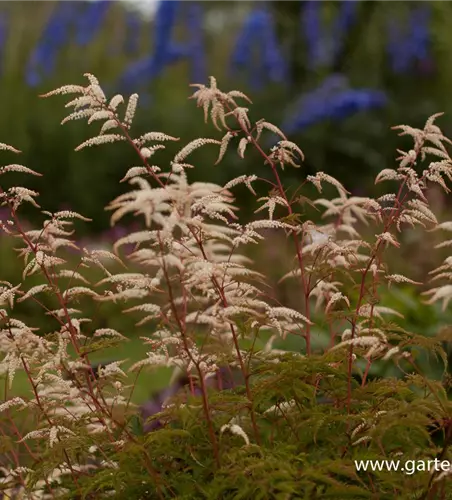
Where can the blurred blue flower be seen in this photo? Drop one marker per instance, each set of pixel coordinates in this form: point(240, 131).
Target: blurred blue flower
point(273, 61)
point(420, 28)
point(90, 21)
point(243, 58)
point(311, 26)
point(406, 47)
point(332, 100)
point(165, 20)
point(3, 37)
point(54, 36)
point(324, 45)
point(397, 48)
point(258, 38)
point(164, 51)
point(148, 68)
point(330, 86)
point(353, 101)
point(133, 24)
point(348, 14)
point(198, 67)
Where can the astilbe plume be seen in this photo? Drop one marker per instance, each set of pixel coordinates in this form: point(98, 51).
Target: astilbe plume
point(187, 274)
point(189, 253)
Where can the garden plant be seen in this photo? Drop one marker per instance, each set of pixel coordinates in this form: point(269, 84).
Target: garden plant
point(294, 424)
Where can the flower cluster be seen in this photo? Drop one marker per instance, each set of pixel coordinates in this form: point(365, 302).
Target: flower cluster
point(186, 271)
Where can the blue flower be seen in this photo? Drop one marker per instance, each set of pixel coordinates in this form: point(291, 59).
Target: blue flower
point(398, 48)
point(242, 54)
point(89, 22)
point(324, 44)
point(258, 32)
point(332, 100)
point(164, 50)
point(148, 68)
point(347, 16)
point(405, 49)
point(133, 23)
point(165, 20)
point(311, 25)
point(272, 58)
point(3, 35)
point(420, 32)
point(198, 69)
point(54, 36)
point(353, 101)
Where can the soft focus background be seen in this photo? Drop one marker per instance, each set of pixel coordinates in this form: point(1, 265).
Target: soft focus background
point(335, 76)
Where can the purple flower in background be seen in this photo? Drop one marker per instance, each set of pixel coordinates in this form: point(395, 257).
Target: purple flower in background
point(223, 379)
point(352, 101)
point(160, 400)
point(406, 47)
point(324, 45)
point(311, 25)
point(89, 22)
point(397, 48)
point(258, 37)
point(149, 68)
point(155, 405)
point(197, 55)
point(164, 51)
point(309, 102)
point(348, 14)
point(3, 36)
point(242, 53)
point(332, 100)
point(54, 36)
point(133, 24)
point(420, 28)
point(165, 19)
point(272, 59)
